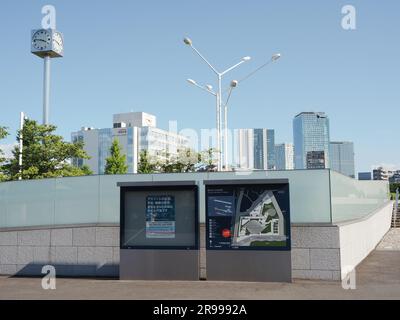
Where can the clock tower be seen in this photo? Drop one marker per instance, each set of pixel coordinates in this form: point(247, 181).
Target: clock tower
point(47, 44)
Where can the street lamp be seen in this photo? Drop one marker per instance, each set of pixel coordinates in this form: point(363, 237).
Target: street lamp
point(207, 87)
point(217, 94)
point(273, 59)
point(234, 84)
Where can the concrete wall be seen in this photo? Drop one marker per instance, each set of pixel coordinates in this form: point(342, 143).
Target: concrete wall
point(359, 238)
point(330, 252)
point(321, 252)
point(315, 252)
point(74, 251)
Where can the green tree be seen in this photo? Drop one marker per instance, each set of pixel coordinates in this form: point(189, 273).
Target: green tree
point(116, 162)
point(146, 165)
point(188, 160)
point(166, 163)
point(208, 160)
point(45, 154)
point(394, 186)
point(3, 134)
point(185, 161)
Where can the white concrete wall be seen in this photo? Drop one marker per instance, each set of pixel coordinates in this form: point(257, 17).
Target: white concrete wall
point(358, 238)
point(331, 252)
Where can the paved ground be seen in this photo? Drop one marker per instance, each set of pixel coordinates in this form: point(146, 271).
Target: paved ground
point(391, 241)
point(378, 277)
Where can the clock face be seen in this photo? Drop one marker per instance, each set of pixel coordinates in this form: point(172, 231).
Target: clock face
point(41, 40)
point(58, 44)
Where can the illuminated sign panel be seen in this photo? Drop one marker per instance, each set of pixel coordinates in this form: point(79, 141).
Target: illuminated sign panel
point(249, 216)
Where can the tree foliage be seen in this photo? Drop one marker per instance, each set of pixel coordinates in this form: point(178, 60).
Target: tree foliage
point(45, 154)
point(208, 160)
point(116, 162)
point(186, 160)
point(394, 187)
point(3, 134)
point(146, 164)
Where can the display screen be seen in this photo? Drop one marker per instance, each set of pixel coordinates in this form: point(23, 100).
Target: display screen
point(159, 217)
point(248, 216)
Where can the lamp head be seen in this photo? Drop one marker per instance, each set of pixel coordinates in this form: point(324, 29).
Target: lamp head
point(234, 83)
point(209, 87)
point(191, 81)
point(247, 58)
point(276, 56)
point(187, 41)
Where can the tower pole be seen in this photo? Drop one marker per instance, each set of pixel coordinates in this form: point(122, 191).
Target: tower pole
point(21, 127)
point(46, 90)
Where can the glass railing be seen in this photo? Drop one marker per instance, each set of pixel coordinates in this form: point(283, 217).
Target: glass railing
point(354, 199)
point(316, 196)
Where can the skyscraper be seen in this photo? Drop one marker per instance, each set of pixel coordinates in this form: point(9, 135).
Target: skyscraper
point(311, 140)
point(254, 149)
point(342, 157)
point(284, 156)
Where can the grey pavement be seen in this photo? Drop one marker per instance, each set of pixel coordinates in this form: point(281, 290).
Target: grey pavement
point(378, 277)
point(391, 241)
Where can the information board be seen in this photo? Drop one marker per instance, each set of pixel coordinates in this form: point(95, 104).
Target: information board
point(159, 231)
point(248, 217)
point(160, 217)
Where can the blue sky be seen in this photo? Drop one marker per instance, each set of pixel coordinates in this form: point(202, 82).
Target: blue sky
point(128, 55)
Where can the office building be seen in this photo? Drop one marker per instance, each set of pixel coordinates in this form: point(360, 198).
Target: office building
point(284, 156)
point(364, 176)
point(395, 177)
point(311, 140)
point(254, 149)
point(380, 173)
point(315, 160)
point(342, 157)
point(136, 132)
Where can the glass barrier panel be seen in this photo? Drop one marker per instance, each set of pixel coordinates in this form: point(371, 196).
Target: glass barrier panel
point(77, 200)
point(353, 199)
point(3, 204)
point(109, 195)
point(30, 203)
point(309, 192)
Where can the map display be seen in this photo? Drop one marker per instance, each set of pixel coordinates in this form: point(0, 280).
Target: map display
point(248, 216)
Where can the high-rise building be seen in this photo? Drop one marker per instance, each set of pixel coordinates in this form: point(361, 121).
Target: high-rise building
point(311, 140)
point(135, 132)
point(364, 176)
point(342, 157)
point(254, 149)
point(284, 156)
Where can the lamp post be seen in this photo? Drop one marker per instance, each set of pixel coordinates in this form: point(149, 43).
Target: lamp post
point(217, 94)
point(233, 85)
point(21, 143)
